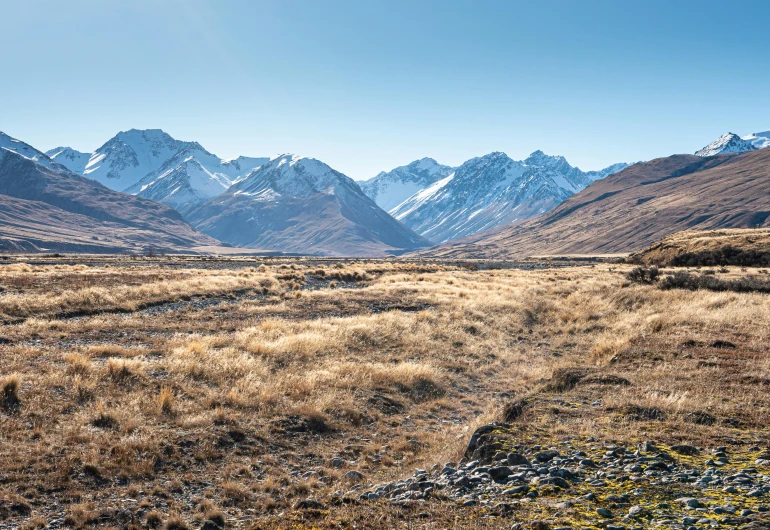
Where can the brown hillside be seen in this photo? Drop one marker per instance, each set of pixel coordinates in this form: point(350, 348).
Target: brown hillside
point(636, 207)
point(704, 243)
point(42, 208)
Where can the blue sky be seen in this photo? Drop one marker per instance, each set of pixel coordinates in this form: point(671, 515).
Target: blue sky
point(368, 85)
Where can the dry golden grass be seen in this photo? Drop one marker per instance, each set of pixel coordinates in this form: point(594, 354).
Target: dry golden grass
point(229, 403)
point(696, 241)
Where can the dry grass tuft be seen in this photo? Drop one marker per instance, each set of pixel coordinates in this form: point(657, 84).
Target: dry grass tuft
point(10, 392)
point(166, 402)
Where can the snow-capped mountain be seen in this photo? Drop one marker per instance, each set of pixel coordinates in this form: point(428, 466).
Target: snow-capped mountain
point(152, 164)
point(727, 143)
point(759, 140)
point(45, 206)
point(390, 189)
point(493, 190)
point(130, 155)
point(301, 205)
point(27, 151)
point(74, 160)
point(191, 177)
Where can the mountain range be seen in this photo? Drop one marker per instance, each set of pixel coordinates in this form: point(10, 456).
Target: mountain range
point(481, 194)
point(300, 204)
point(120, 197)
point(637, 206)
point(45, 206)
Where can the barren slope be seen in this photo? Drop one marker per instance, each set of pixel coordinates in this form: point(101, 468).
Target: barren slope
point(696, 242)
point(58, 210)
point(633, 208)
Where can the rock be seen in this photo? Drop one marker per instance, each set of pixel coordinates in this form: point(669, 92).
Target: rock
point(353, 476)
point(500, 473)
point(546, 456)
point(554, 481)
point(684, 449)
point(604, 512)
point(470, 502)
point(517, 459)
point(689, 501)
point(308, 504)
point(502, 508)
point(636, 510)
point(587, 462)
point(516, 490)
point(337, 462)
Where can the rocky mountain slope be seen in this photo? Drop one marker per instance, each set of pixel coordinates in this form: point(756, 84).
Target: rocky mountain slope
point(727, 143)
point(154, 165)
point(43, 205)
point(191, 177)
point(491, 191)
point(74, 160)
point(297, 204)
point(389, 189)
point(634, 208)
point(732, 143)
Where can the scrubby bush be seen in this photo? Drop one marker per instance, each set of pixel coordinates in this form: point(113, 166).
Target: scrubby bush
point(693, 282)
point(644, 275)
point(723, 256)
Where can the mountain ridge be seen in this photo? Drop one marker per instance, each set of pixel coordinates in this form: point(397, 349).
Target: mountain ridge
point(493, 190)
point(300, 204)
point(636, 207)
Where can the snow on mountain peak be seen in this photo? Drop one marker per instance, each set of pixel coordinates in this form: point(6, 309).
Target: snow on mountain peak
point(70, 158)
point(759, 140)
point(8, 143)
point(727, 143)
point(389, 189)
point(491, 190)
point(295, 176)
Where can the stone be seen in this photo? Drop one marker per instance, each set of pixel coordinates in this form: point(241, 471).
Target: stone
point(554, 481)
point(353, 476)
point(690, 502)
point(604, 512)
point(500, 473)
point(337, 462)
point(308, 504)
point(546, 456)
point(684, 449)
point(635, 510)
point(517, 459)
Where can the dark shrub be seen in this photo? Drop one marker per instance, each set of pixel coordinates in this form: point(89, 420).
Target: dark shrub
point(727, 255)
point(693, 282)
point(644, 275)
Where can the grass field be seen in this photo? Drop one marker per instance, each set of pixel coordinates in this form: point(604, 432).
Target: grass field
point(188, 393)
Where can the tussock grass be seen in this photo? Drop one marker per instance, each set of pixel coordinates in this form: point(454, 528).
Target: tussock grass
point(391, 369)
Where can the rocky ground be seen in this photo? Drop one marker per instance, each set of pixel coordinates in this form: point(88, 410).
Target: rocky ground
point(596, 484)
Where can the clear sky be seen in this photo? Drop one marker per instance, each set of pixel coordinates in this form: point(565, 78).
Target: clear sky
point(367, 85)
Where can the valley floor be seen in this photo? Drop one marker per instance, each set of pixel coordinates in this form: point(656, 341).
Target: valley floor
point(291, 393)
